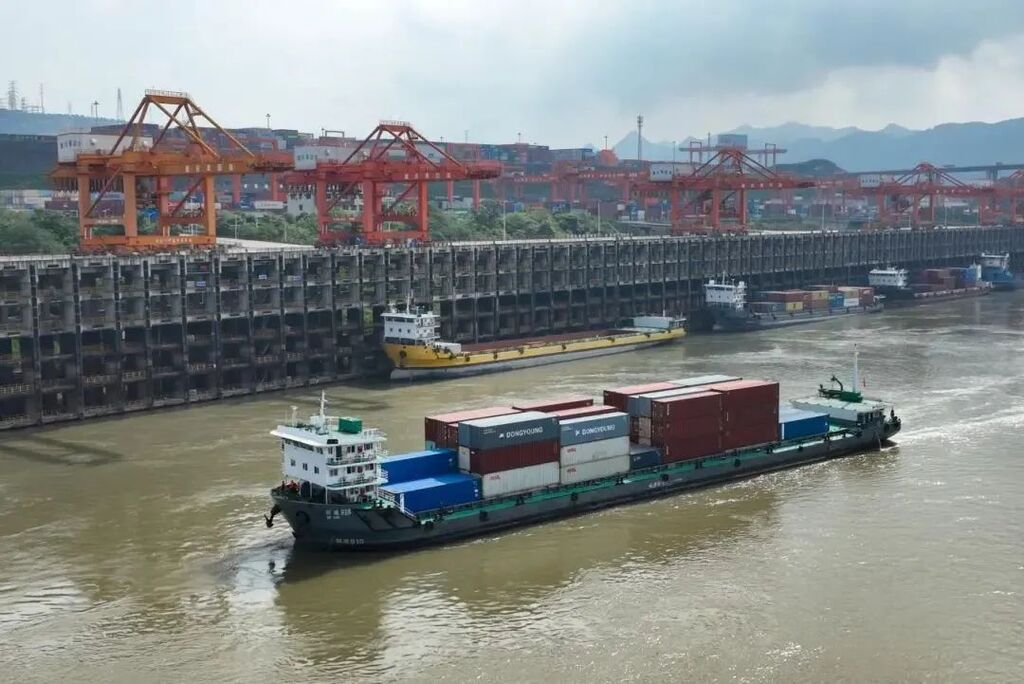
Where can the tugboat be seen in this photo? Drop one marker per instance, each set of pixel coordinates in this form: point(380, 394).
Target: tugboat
point(995, 270)
point(341, 491)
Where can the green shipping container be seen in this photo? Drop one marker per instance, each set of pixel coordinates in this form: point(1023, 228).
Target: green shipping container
point(352, 426)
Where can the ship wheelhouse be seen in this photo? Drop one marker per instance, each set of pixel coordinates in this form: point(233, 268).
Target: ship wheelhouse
point(329, 461)
point(412, 329)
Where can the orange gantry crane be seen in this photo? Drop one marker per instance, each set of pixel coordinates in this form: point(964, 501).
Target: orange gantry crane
point(146, 170)
point(383, 181)
point(713, 197)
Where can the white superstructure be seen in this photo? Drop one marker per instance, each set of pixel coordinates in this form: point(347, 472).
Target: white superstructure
point(888, 277)
point(333, 457)
point(416, 329)
point(725, 295)
point(1000, 261)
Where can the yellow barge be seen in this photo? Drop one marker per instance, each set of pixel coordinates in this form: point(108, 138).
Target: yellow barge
point(414, 347)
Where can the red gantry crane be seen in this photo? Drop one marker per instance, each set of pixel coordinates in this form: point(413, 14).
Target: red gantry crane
point(912, 197)
point(384, 180)
point(146, 170)
point(713, 198)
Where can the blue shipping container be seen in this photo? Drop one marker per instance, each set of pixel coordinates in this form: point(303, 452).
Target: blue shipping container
point(500, 431)
point(432, 493)
point(420, 464)
point(643, 457)
point(593, 428)
point(795, 423)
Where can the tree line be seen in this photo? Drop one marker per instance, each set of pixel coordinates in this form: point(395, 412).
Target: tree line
point(48, 232)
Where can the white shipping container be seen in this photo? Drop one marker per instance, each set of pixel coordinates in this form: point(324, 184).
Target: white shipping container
point(836, 412)
point(644, 427)
point(593, 451)
point(870, 180)
point(307, 156)
point(268, 205)
point(70, 145)
point(594, 470)
point(464, 459)
point(521, 479)
point(666, 171)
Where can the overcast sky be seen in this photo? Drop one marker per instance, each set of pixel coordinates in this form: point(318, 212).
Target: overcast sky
point(562, 73)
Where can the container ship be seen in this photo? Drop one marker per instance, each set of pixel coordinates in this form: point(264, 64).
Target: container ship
point(995, 270)
point(493, 468)
point(414, 348)
point(901, 288)
point(727, 309)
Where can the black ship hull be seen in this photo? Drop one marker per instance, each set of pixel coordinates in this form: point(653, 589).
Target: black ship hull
point(355, 528)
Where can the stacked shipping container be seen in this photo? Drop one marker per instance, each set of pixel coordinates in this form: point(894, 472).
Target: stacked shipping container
point(750, 412)
point(549, 405)
point(419, 464)
point(431, 493)
point(593, 447)
point(442, 431)
point(687, 426)
point(511, 453)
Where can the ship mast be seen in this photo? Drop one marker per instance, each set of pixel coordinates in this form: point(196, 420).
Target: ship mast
point(856, 369)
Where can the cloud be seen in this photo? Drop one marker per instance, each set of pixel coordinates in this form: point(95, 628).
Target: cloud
point(561, 73)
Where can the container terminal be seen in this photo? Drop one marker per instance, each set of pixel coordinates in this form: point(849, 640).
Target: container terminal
point(141, 320)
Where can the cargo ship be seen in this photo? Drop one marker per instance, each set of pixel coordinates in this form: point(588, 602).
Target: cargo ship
point(414, 348)
point(489, 469)
point(900, 288)
point(727, 309)
point(995, 270)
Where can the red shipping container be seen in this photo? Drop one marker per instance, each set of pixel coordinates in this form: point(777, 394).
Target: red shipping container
point(690, 448)
point(556, 404)
point(443, 429)
point(740, 394)
point(698, 427)
point(619, 396)
point(749, 434)
point(487, 461)
point(582, 411)
point(698, 404)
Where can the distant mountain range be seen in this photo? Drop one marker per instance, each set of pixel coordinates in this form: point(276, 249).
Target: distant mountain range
point(853, 149)
point(31, 123)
